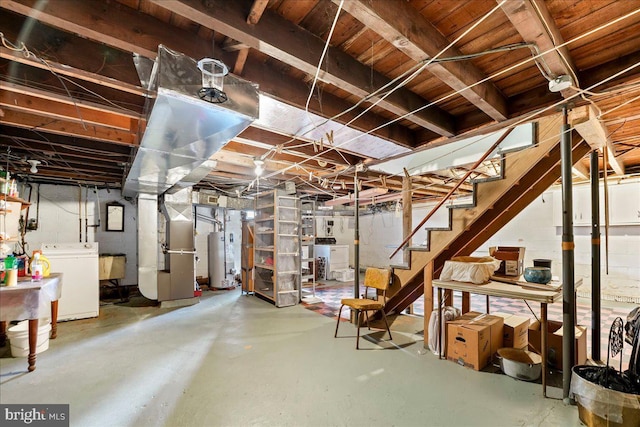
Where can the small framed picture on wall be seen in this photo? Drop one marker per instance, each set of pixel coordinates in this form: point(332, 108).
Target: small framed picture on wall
point(115, 217)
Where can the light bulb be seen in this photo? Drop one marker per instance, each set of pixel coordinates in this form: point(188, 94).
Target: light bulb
point(34, 165)
point(259, 166)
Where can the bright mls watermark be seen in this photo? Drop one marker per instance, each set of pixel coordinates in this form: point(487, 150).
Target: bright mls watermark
point(55, 415)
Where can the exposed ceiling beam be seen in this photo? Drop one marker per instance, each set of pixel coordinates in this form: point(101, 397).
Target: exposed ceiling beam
point(581, 170)
point(110, 23)
point(63, 127)
point(114, 18)
point(291, 44)
point(68, 71)
point(47, 104)
point(241, 59)
point(278, 85)
point(404, 28)
point(590, 128)
point(257, 9)
point(532, 20)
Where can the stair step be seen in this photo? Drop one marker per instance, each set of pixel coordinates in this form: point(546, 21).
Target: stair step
point(462, 206)
point(400, 266)
point(493, 203)
point(438, 228)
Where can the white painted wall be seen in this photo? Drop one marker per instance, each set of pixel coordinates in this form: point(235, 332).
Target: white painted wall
point(62, 219)
point(535, 228)
point(62, 213)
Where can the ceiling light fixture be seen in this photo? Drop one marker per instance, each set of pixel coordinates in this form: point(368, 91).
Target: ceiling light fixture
point(259, 166)
point(560, 83)
point(34, 165)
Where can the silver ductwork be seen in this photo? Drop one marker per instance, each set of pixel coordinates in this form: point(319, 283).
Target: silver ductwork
point(147, 220)
point(182, 133)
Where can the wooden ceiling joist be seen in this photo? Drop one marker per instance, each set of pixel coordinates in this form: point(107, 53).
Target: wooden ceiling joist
point(590, 128)
point(407, 30)
point(292, 45)
point(66, 70)
point(257, 9)
point(62, 127)
point(34, 101)
point(532, 20)
point(270, 79)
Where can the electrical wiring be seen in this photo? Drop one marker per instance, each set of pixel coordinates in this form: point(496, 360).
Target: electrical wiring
point(535, 113)
point(28, 54)
point(334, 147)
point(584, 92)
point(424, 65)
point(324, 52)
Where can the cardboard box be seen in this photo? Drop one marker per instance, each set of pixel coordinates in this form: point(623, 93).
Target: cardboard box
point(111, 266)
point(473, 338)
point(512, 258)
point(515, 332)
point(554, 343)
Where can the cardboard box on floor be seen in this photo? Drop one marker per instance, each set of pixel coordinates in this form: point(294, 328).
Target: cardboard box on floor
point(512, 258)
point(515, 332)
point(473, 338)
point(554, 343)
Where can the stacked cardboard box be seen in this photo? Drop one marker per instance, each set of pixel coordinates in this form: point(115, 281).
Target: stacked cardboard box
point(554, 343)
point(473, 339)
point(512, 258)
point(515, 332)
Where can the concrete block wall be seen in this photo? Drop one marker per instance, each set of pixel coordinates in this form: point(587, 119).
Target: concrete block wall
point(61, 218)
point(534, 228)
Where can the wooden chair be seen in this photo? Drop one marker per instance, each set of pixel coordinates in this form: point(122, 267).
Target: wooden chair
point(373, 278)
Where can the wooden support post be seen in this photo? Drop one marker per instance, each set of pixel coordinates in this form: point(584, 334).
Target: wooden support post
point(466, 302)
point(407, 223)
point(428, 300)
point(448, 297)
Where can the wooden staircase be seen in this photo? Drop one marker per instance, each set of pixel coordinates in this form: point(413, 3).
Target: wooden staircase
point(526, 174)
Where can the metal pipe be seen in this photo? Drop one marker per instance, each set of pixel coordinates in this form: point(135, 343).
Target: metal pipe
point(568, 288)
point(595, 257)
point(80, 213)
point(86, 214)
point(356, 238)
point(175, 251)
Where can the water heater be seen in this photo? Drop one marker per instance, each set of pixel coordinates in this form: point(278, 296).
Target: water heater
point(215, 248)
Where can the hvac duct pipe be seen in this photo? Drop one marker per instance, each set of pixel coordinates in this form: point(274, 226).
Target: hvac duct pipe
point(147, 245)
point(568, 288)
point(595, 257)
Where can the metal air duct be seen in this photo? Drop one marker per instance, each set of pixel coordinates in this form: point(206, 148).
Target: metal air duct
point(182, 133)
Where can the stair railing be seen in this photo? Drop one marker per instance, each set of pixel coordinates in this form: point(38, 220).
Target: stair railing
point(453, 190)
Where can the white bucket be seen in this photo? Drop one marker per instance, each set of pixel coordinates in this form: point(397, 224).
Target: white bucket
point(19, 337)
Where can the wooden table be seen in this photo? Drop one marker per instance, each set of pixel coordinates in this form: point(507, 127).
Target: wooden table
point(32, 301)
point(506, 290)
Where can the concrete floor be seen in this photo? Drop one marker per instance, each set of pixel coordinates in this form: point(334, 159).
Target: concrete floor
point(235, 360)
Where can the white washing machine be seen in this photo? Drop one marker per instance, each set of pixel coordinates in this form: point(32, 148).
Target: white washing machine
point(79, 265)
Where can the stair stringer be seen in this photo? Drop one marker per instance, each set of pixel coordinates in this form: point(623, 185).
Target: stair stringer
point(517, 167)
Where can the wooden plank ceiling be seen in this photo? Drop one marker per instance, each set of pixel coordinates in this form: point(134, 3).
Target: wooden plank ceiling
point(417, 73)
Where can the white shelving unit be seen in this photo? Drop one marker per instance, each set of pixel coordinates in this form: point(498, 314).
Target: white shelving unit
point(277, 274)
point(307, 249)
